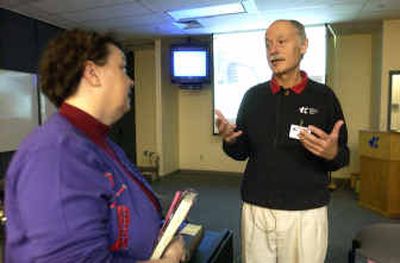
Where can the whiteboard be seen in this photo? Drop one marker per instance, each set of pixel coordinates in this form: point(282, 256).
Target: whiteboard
point(18, 107)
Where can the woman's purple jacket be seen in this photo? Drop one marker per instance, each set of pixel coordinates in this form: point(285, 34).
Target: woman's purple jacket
point(66, 200)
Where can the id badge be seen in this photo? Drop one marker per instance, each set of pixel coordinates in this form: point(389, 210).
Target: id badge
point(295, 130)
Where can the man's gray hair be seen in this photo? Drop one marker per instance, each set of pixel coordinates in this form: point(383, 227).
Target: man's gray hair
point(299, 27)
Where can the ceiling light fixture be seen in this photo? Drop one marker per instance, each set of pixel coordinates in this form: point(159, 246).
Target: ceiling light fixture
point(208, 11)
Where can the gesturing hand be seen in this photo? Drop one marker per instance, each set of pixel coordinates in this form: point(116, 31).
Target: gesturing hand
point(226, 129)
point(320, 143)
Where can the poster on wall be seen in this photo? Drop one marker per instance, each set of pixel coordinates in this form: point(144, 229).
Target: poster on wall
point(18, 107)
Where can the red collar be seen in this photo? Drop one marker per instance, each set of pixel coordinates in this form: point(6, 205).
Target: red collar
point(298, 88)
point(97, 132)
point(94, 129)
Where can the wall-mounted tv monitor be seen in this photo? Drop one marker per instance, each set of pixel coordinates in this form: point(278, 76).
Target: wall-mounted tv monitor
point(190, 64)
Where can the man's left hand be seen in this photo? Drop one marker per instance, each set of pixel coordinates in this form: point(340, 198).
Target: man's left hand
point(321, 143)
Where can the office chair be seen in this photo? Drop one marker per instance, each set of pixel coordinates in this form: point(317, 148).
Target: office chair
point(378, 243)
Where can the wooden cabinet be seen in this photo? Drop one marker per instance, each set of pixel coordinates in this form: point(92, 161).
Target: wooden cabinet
point(380, 172)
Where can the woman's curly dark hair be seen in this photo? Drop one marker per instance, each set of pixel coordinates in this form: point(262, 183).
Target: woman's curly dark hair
point(62, 63)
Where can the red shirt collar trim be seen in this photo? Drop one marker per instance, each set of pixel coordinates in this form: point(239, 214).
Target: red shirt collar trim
point(90, 126)
point(298, 88)
point(97, 132)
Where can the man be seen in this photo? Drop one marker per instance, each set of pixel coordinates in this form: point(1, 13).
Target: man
point(292, 130)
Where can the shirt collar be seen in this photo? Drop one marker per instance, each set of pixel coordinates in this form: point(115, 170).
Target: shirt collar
point(90, 126)
point(97, 132)
point(298, 88)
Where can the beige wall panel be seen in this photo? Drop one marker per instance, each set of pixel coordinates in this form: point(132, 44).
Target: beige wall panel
point(169, 114)
point(145, 104)
point(390, 61)
point(353, 88)
point(198, 148)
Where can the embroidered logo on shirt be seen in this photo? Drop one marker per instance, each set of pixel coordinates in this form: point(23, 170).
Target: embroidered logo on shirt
point(308, 110)
point(122, 241)
point(119, 192)
point(110, 178)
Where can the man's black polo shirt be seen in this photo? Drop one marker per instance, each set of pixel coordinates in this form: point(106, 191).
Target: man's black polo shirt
point(281, 173)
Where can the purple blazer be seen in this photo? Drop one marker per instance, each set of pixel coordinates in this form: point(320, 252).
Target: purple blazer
point(66, 200)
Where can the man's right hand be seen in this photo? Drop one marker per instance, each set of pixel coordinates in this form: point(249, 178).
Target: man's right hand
point(226, 129)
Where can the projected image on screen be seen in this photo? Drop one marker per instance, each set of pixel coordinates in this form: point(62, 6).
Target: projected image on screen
point(189, 63)
point(240, 62)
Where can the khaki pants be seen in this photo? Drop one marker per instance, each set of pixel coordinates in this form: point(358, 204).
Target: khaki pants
point(281, 236)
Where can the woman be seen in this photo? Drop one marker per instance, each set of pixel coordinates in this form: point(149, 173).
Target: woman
point(72, 195)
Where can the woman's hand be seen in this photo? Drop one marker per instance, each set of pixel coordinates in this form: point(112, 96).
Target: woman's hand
point(175, 251)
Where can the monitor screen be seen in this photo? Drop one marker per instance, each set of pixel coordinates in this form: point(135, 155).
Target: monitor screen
point(190, 64)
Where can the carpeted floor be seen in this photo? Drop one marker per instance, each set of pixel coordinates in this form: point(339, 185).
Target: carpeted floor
point(218, 207)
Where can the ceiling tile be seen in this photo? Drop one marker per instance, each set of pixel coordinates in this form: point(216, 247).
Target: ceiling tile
point(159, 30)
point(282, 5)
point(122, 10)
point(163, 5)
point(381, 5)
point(135, 18)
point(56, 7)
point(119, 22)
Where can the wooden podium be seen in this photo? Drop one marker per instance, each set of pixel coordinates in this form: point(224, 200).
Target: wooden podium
point(380, 172)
